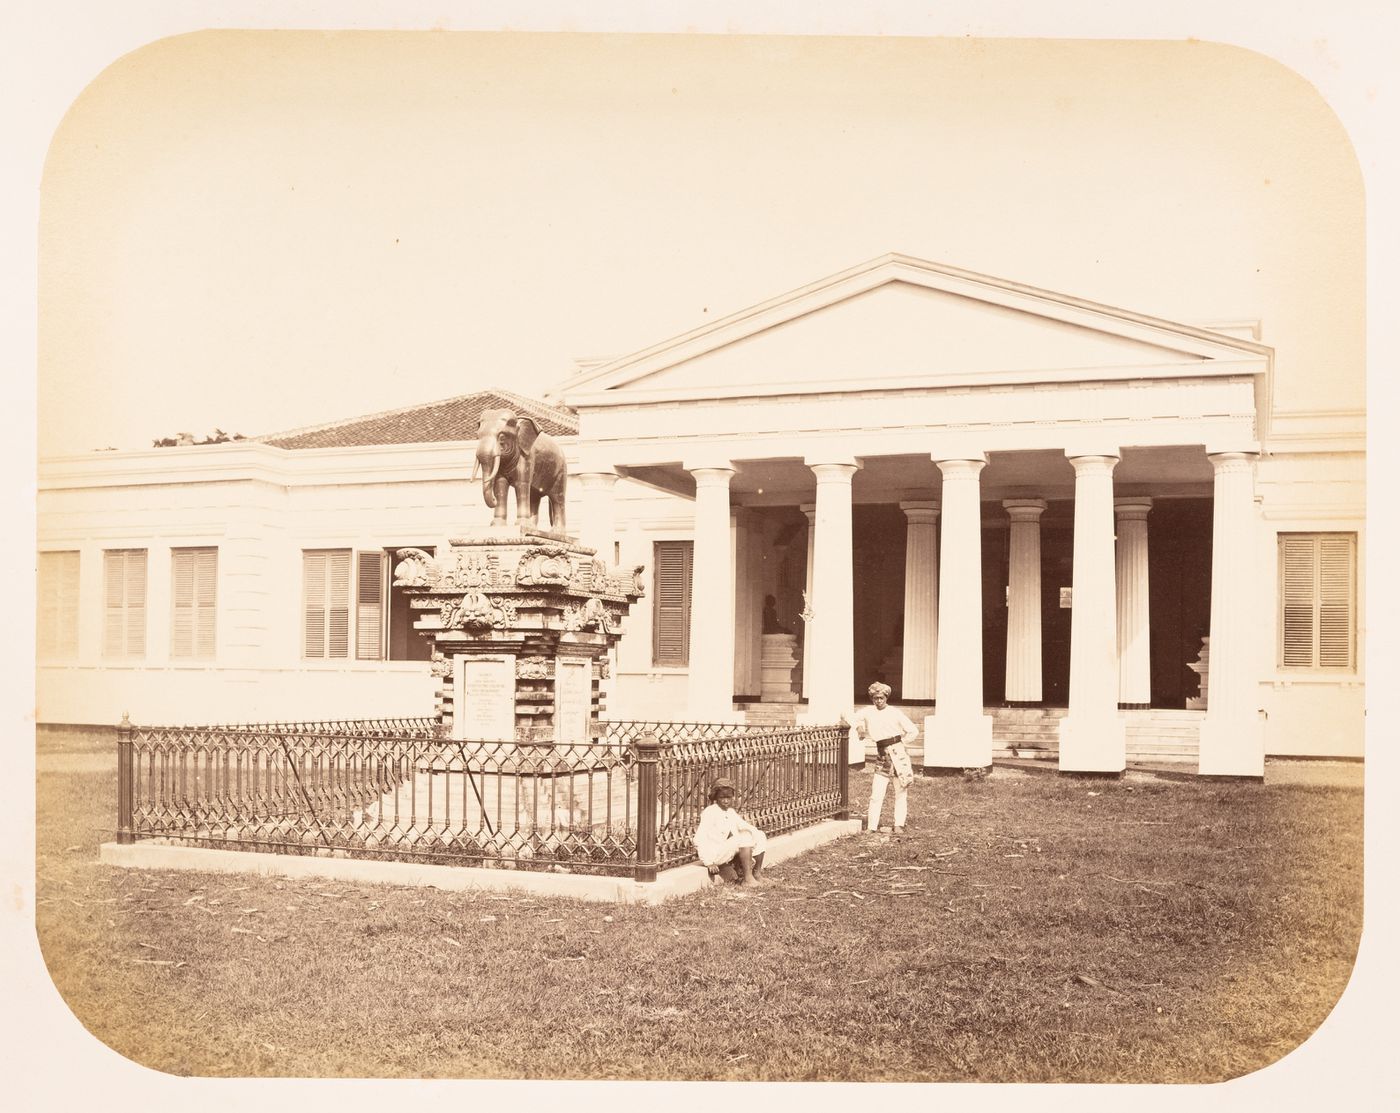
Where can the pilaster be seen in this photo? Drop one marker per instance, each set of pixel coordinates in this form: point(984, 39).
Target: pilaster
point(920, 679)
point(1134, 626)
point(1023, 636)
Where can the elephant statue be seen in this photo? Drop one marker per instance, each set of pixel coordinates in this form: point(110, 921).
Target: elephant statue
point(511, 452)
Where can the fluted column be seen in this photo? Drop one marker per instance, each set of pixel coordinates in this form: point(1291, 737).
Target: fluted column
point(959, 733)
point(810, 510)
point(1092, 735)
point(1232, 740)
point(595, 520)
point(712, 601)
point(1134, 629)
point(920, 679)
point(831, 631)
point(1023, 640)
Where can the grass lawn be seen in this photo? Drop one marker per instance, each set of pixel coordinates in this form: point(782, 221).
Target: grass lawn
point(1026, 928)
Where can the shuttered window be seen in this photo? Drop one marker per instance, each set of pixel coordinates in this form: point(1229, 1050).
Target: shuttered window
point(194, 577)
point(369, 605)
point(1317, 589)
point(671, 625)
point(57, 616)
point(124, 590)
point(326, 603)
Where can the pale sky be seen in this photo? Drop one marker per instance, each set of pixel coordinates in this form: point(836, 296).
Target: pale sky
point(266, 229)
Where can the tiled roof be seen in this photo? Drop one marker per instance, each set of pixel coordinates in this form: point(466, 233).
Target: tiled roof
point(453, 419)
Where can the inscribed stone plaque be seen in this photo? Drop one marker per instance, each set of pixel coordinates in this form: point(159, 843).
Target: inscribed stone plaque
point(483, 705)
point(573, 690)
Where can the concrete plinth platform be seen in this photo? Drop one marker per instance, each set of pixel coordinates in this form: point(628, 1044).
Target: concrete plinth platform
point(675, 882)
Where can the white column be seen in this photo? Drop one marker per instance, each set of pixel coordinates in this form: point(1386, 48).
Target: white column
point(1232, 741)
point(712, 600)
point(1023, 640)
point(1092, 738)
point(831, 631)
point(595, 521)
point(1134, 629)
point(959, 734)
point(920, 680)
point(748, 607)
point(809, 509)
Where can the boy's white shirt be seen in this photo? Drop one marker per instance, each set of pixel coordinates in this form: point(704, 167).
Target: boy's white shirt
point(716, 837)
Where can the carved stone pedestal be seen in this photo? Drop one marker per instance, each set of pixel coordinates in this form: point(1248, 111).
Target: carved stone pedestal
point(1201, 667)
point(521, 621)
point(777, 665)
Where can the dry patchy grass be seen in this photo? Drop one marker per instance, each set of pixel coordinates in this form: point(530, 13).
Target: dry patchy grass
point(1024, 929)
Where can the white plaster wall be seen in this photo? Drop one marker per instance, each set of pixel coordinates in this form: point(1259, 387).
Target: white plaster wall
point(261, 507)
point(1311, 712)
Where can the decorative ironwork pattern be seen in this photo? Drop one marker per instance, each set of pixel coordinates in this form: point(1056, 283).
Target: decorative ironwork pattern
point(625, 804)
point(385, 789)
point(784, 780)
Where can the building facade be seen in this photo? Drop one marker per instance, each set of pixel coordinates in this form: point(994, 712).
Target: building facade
point(985, 494)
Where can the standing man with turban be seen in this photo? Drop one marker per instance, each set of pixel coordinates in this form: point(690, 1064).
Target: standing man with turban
point(891, 729)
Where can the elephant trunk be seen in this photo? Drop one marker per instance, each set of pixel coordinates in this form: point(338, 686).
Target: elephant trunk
point(488, 484)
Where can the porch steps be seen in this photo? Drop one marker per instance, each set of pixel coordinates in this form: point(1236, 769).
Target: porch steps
point(1153, 735)
point(769, 714)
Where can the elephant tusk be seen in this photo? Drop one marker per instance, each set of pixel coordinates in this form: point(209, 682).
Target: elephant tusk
point(488, 484)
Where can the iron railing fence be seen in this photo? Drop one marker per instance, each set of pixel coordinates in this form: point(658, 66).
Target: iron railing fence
point(624, 804)
point(784, 780)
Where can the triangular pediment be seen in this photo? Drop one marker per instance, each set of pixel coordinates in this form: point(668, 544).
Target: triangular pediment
point(901, 320)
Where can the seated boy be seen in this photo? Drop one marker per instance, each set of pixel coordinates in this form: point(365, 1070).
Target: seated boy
point(728, 845)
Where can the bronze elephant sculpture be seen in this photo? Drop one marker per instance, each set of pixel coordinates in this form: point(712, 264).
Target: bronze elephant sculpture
point(512, 454)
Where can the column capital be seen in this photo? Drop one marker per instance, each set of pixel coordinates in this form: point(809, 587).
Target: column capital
point(596, 480)
point(1132, 508)
point(962, 468)
point(1226, 462)
point(920, 510)
point(1024, 510)
point(711, 477)
point(1098, 464)
point(832, 472)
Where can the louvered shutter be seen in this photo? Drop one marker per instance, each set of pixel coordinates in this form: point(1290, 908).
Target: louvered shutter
point(1299, 574)
point(1318, 592)
point(1336, 590)
point(326, 606)
point(124, 630)
point(369, 606)
point(58, 604)
point(313, 612)
point(181, 603)
point(671, 627)
point(193, 584)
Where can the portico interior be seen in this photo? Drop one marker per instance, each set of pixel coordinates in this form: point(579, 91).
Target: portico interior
point(769, 497)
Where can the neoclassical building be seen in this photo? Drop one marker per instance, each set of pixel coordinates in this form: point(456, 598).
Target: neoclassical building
point(1014, 506)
